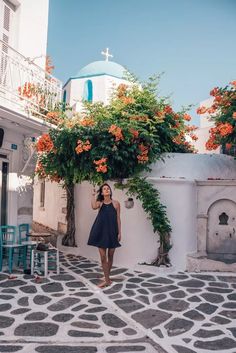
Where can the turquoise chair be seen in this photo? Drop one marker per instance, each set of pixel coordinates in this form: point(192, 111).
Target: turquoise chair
point(23, 232)
point(26, 241)
point(9, 246)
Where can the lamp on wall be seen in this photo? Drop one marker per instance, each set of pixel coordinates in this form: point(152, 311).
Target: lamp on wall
point(129, 203)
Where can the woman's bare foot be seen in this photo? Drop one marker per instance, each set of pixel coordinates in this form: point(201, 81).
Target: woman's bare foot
point(38, 279)
point(104, 284)
point(11, 277)
point(103, 279)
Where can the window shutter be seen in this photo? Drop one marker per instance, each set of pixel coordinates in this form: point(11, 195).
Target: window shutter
point(6, 18)
point(5, 40)
point(7, 12)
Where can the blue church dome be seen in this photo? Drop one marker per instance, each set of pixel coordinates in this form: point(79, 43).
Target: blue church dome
point(98, 68)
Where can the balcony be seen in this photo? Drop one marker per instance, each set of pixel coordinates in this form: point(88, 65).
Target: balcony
point(26, 88)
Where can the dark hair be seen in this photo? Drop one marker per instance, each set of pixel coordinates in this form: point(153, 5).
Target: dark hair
point(100, 197)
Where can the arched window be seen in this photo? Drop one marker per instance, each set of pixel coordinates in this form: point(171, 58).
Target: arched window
point(64, 101)
point(64, 96)
point(88, 91)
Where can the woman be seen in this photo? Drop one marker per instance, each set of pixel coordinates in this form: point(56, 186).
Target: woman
point(106, 230)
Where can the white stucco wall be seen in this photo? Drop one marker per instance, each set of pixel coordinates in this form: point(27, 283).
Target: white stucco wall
point(203, 131)
point(102, 89)
point(51, 213)
point(195, 166)
point(203, 135)
point(204, 118)
point(27, 34)
point(111, 84)
point(28, 26)
point(133, 224)
point(32, 29)
point(139, 243)
point(20, 190)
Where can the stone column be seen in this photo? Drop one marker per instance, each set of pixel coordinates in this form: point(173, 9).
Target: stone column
point(202, 233)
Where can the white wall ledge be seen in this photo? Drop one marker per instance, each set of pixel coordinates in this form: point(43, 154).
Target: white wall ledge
point(170, 180)
point(216, 182)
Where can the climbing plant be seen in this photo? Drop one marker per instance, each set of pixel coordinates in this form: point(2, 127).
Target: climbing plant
point(119, 140)
point(150, 200)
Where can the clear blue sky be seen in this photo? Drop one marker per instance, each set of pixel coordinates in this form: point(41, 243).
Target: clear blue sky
point(192, 41)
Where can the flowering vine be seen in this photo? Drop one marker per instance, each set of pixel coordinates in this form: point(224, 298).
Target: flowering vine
point(223, 113)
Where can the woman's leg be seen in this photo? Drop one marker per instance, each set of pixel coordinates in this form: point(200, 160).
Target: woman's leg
point(105, 267)
point(110, 259)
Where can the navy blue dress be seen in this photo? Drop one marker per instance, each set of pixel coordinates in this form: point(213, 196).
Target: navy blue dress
point(104, 232)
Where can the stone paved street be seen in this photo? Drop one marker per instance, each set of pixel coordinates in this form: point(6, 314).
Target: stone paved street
point(141, 312)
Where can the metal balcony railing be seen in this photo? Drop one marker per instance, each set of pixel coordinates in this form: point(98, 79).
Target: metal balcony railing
point(24, 86)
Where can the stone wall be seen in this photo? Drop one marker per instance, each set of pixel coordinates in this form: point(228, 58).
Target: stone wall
point(40, 228)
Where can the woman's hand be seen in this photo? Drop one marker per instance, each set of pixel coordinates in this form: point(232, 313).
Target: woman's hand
point(119, 237)
point(94, 203)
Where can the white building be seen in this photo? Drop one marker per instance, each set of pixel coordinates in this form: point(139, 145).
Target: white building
point(203, 131)
point(24, 90)
point(94, 83)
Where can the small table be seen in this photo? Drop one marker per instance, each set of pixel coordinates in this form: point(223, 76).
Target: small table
point(39, 258)
point(49, 256)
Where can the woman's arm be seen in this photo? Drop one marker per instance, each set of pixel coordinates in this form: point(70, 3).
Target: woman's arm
point(94, 203)
point(118, 220)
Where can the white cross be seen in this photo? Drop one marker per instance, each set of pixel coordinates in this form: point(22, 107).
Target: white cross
point(106, 53)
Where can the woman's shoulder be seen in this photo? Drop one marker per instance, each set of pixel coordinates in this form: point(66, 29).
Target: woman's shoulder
point(116, 203)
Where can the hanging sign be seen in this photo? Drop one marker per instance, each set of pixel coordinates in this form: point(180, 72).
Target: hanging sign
point(13, 146)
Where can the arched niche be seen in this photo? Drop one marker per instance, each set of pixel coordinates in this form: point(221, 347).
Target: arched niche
point(221, 229)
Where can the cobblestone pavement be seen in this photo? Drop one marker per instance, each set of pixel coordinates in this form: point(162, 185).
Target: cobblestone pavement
point(140, 312)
